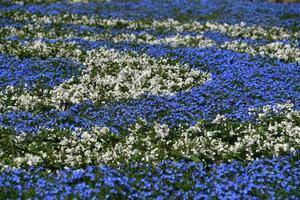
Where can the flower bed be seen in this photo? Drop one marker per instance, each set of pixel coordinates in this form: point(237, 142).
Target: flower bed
point(111, 100)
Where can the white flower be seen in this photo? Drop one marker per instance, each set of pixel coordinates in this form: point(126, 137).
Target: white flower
point(219, 118)
point(161, 130)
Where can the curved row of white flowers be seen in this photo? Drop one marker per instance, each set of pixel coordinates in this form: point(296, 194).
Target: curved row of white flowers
point(274, 49)
point(111, 75)
point(235, 30)
point(176, 40)
point(114, 75)
point(276, 132)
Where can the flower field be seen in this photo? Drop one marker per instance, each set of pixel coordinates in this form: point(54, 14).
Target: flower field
point(145, 99)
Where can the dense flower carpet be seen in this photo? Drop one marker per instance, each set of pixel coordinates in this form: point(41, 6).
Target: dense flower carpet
point(145, 99)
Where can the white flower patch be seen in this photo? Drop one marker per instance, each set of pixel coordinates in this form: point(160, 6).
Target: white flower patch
point(174, 41)
point(279, 137)
point(114, 75)
point(253, 31)
point(177, 40)
point(185, 40)
point(273, 50)
point(108, 75)
point(28, 159)
point(266, 138)
point(161, 130)
point(12, 100)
